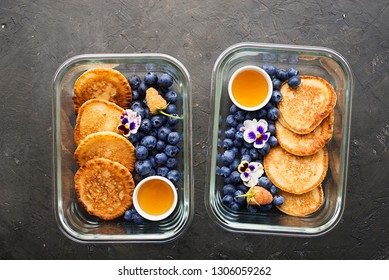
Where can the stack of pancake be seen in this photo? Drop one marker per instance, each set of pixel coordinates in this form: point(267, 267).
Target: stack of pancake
point(299, 164)
point(103, 183)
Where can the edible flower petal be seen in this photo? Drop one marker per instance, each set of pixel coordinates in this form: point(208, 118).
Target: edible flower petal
point(130, 122)
point(255, 132)
point(250, 172)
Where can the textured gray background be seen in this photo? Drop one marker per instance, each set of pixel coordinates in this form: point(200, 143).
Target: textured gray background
point(37, 36)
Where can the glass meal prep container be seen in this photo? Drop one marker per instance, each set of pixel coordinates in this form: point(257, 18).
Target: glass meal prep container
point(72, 219)
point(313, 61)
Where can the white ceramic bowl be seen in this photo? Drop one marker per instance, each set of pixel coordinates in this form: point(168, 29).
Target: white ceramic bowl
point(146, 215)
point(268, 81)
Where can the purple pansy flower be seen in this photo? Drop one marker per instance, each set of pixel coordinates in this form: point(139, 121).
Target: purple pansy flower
point(250, 172)
point(255, 132)
point(130, 122)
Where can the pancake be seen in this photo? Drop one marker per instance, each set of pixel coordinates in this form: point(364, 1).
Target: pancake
point(96, 115)
point(305, 144)
point(102, 83)
point(295, 174)
point(107, 145)
point(303, 204)
point(303, 109)
point(104, 188)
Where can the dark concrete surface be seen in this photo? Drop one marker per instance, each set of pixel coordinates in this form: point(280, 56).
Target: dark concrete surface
point(36, 36)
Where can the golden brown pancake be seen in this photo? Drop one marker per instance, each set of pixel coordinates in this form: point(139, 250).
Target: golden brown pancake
point(107, 145)
point(305, 144)
point(102, 83)
point(96, 115)
point(104, 188)
point(303, 204)
point(302, 109)
point(295, 174)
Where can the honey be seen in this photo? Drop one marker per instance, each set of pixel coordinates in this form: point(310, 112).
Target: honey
point(155, 197)
point(249, 88)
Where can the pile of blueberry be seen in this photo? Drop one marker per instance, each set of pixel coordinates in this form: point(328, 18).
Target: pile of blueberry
point(233, 149)
point(157, 141)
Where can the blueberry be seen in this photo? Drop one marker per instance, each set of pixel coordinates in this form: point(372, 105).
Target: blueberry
point(227, 199)
point(269, 106)
point(254, 154)
point(235, 206)
point(173, 175)
point(231, 122)
point(152, 161)
point(276, 84)
point(237, 199)
point(294, 82)
point(269, 69)
point(173, 121)
point(228, 157)
point(149, 142)
point(246, 157)
point(141, 152)
point(154, 132)
point(228, 189)
point(282, 74)
point(163, 132)
point(239, 135)
point(237, 143)
point(292, 72)
point(272, 141)
point(161, 145)
point(242, 187)
point(235, 177)
point(171, 151)
point(158, 120)
point(234, 165)
point(276, 96)
point(160, 158)
point(227, 180)
point(233, 109)
point(230, 133)
point(135, 94)
point(265, 208)
point(134, 81)
point(264, 182)
point(271, 128)
point(239, 115)
point(225, 171)
point(252, 209)
point(162, 171)
point(165, 81)
point(150, 79)
point(264, 150)
point(128, 215)
point(145, 125)
point(273, 189)
point(171, 162)
point(138, 219)
point(142, 90)
point(262, 113)
point(171, 97)
point(151, 173)
point(171, 109)
point(228, 143)
point(143, 167)
point(273, 114)
point(173, 138)
point(134, 138)
point(278, 200)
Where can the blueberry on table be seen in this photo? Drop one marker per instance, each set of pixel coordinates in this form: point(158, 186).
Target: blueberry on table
point(230, 121)
point(145, 125)
point(237, 199)
point(228, 189)
point(149, 142)
point(143, 167)
point(276, 84)
point(161, 145)
point(142, 90)
point(171, 162)
point(234, 165)
point(264, 182)
point(171, 109)
point(171, 151)
point(233, 109)
point(262, 113)
point(272, 141)
point(282, 75)
point(276, 96)
point(239, 115)
point(235, 206)
point(230, 133)
point(264, 150)
point(227, 143)
point(160, 158)
point(162, 171)
point(235, 177)
point(246, 157)
point(273, 114)
point(227, 199)
point(128, 215)
point(150, 79)
point(173, 138)
point(273, 190)
point(138, 219)
point(165, 81)
point(158, 120)
point(271, 128)
point(225, 171)
point(228, 157)
point(163, 132)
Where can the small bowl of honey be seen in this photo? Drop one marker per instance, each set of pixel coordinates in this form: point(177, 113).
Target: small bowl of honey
point(155, 198)
point(250, 88)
